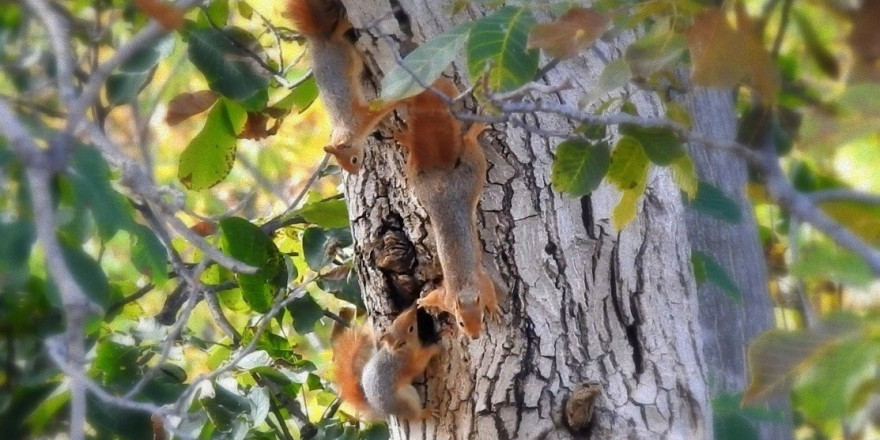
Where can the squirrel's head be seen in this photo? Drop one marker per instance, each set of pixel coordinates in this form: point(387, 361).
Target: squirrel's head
point(470, 316)
point(348, 157)
point(403, 330)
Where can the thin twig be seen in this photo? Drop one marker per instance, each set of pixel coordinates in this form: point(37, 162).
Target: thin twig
point(279, 304)
point(272, 224)
point(140, 293)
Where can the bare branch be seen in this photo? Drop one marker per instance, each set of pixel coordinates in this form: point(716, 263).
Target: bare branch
point(844, 195)
point(59, 39)
point(800, 205)
point(56, 349)
point(21, 141)
point(219, 317)
point(77, 305)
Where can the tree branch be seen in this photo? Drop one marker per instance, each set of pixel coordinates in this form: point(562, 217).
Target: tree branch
point(778, 186)
point(844, 195)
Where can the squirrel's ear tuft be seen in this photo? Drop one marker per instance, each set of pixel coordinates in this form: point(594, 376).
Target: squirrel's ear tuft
point(330, 149)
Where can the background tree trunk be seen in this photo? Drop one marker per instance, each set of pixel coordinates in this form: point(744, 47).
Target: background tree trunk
point(582, 303)
point(727, 325)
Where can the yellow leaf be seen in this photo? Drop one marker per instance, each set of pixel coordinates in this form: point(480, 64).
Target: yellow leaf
point(685, 176)
point(627, 207)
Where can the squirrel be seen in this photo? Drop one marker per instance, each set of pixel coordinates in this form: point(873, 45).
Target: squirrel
point(446, 170)
point(337, 66)
point(377, 380)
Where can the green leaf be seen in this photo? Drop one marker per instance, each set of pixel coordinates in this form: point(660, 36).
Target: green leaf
point(313, 382)
point(819, 261)
point(319, 245)
point(707, 269)
point(248, 243)
point(580, 166)
point(146, 59)
point(615, 75)
point(733, 426)
point(148, 254)
point(779, 355)
point(712, 202)
point(629, 164)
point(209, 157)
point(306, 313)
point(228, 69)
point(116, 364)
point(427, 62)
point(654, 52)
point(328, 214)
point(225, 408)
point(90, 180)
point(302, 96)
point(500, 40)
point(124, 85)
point(15, 250)
point(217, 12)
point(824, 391)
point(375, 431)
point(661, 145)
point(342, 282)
point(88, 274)
point(245, 10)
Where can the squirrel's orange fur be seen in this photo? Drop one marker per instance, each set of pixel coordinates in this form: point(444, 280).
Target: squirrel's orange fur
point(377, 381)
point(337, 66)
point(447, 170)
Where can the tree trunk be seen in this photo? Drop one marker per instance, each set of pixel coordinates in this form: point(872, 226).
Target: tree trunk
point(584, 307)
point(727, 325)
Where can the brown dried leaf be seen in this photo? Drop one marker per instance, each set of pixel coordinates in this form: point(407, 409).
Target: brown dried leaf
point(185, 105)
point(204, 228)
point(762, 72)
point(170, 17)
point(865, 36)
point(257, 127)
point(723, 56)
point(716, 49)
point(573, 32)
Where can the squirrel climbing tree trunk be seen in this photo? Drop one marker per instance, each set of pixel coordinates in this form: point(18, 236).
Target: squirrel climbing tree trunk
point(599, 335)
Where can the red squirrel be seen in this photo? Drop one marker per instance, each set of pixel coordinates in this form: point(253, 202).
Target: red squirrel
point(337, 66)
point(446, 170)
point(377, 381)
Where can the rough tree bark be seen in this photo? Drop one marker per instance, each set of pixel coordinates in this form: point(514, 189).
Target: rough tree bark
point(728, 326)
point(583, 304)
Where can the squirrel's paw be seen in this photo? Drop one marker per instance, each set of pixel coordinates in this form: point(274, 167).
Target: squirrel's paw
point(492, 312)
point(430, 414)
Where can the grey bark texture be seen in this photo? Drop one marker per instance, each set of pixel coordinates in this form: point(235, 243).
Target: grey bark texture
point(728, 325)
point(584, 307)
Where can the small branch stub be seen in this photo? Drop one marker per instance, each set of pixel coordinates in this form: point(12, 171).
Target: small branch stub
point(579, 406)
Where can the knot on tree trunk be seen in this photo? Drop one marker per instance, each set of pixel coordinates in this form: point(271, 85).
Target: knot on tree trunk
point(579, 407)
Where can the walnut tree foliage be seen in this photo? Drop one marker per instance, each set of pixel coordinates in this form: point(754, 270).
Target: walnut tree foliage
point(219, 107)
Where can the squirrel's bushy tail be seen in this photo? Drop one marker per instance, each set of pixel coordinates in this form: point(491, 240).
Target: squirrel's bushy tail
point(316, 18)
point(352, 349)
